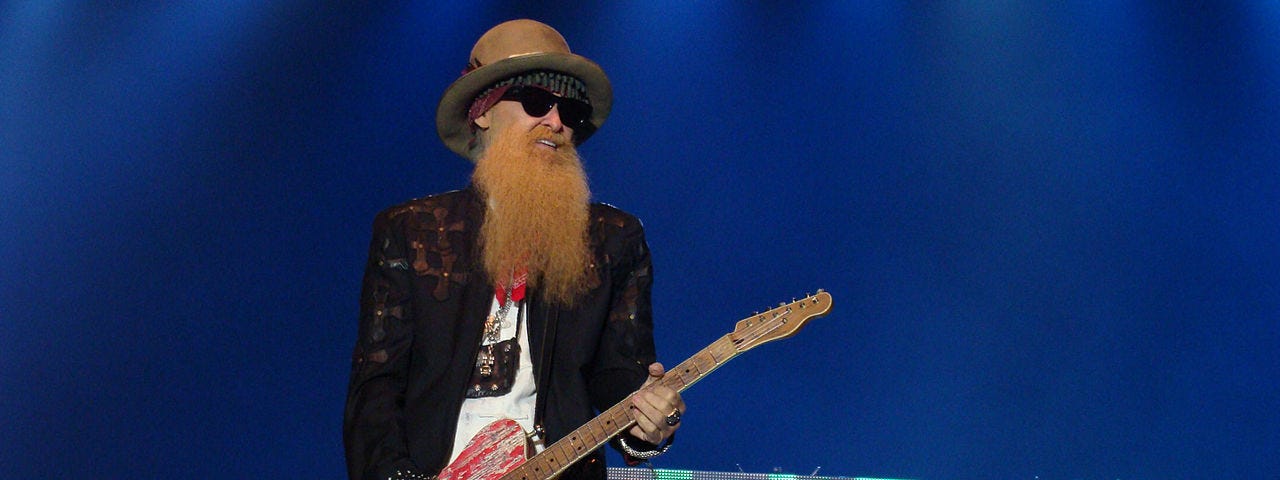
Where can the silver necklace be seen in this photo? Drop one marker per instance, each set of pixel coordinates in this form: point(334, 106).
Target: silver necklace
point(493, 327)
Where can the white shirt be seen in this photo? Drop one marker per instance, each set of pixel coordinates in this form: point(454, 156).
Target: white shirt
point(517, 405)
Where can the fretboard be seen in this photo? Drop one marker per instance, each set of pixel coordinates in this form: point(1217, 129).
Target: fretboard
point(591, 435)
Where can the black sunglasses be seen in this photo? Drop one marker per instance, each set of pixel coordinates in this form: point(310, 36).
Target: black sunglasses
point(537, 102)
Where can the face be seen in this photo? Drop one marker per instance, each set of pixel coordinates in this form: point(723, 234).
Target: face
point(509, 114)
point(532, 181)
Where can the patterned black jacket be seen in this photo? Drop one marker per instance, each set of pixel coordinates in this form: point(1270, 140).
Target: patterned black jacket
point(422, 309)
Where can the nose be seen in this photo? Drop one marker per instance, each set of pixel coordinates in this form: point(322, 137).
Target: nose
point(552, 120)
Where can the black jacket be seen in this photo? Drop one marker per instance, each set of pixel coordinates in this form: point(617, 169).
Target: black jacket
point(423, 304)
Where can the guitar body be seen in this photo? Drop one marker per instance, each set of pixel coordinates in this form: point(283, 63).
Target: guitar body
point(499, 448)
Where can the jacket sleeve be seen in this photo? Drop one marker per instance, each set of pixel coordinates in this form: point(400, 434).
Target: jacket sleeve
point(626, 348)
point(373, 423)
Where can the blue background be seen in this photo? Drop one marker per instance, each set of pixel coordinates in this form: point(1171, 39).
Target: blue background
point(1050, 228)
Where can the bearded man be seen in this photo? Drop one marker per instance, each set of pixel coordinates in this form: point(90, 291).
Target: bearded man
point(514, 298)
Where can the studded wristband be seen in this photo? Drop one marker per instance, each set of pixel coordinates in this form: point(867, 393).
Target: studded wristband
point(643, 455)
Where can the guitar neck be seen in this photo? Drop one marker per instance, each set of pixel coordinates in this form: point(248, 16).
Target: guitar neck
point(595, 433)
point(780, 322)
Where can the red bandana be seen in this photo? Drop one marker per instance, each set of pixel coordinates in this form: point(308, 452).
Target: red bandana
point(519, 279)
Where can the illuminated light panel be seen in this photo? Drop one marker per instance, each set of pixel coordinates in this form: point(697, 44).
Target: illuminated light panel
point(618, 473)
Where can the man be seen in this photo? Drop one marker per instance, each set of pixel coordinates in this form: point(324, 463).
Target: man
point(515, 297)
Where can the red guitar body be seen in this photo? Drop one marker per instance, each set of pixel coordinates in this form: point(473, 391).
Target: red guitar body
point(499, 448)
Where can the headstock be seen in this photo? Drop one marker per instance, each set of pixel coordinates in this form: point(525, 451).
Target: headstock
point(780, 322)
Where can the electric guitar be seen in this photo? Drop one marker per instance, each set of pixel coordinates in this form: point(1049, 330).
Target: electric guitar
point(499, 451)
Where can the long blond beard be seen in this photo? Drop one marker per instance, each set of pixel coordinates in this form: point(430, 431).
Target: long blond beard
point(537, 213)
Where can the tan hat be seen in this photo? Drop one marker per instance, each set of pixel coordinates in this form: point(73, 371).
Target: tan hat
point(507, 50)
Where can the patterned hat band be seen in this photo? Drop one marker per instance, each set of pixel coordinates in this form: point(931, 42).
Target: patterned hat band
point(558, 83)
point(555, 82)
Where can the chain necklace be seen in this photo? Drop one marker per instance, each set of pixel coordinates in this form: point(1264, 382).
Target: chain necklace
point(493, 326)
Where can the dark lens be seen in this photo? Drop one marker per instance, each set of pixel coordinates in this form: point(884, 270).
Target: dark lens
point(574, 113)
point(536, 101)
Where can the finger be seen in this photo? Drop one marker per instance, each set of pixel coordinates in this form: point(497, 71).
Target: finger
point(653, 406)
point(646, 428)
point(663, 399)
point(650, 434)
point(656, 371)
point(643, 435)
point(656, 407)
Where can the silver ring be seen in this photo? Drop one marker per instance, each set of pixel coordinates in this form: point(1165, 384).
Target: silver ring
point(674, 418)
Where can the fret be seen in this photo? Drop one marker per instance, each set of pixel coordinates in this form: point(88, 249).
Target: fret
point(692, 365)
point(588, 433)
point(597, 431)
point(576, 444)
point(676, 383)
point(538, 469)
point(721, 350)
point(702, 363)
point(618, 415)
point(689, 374)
